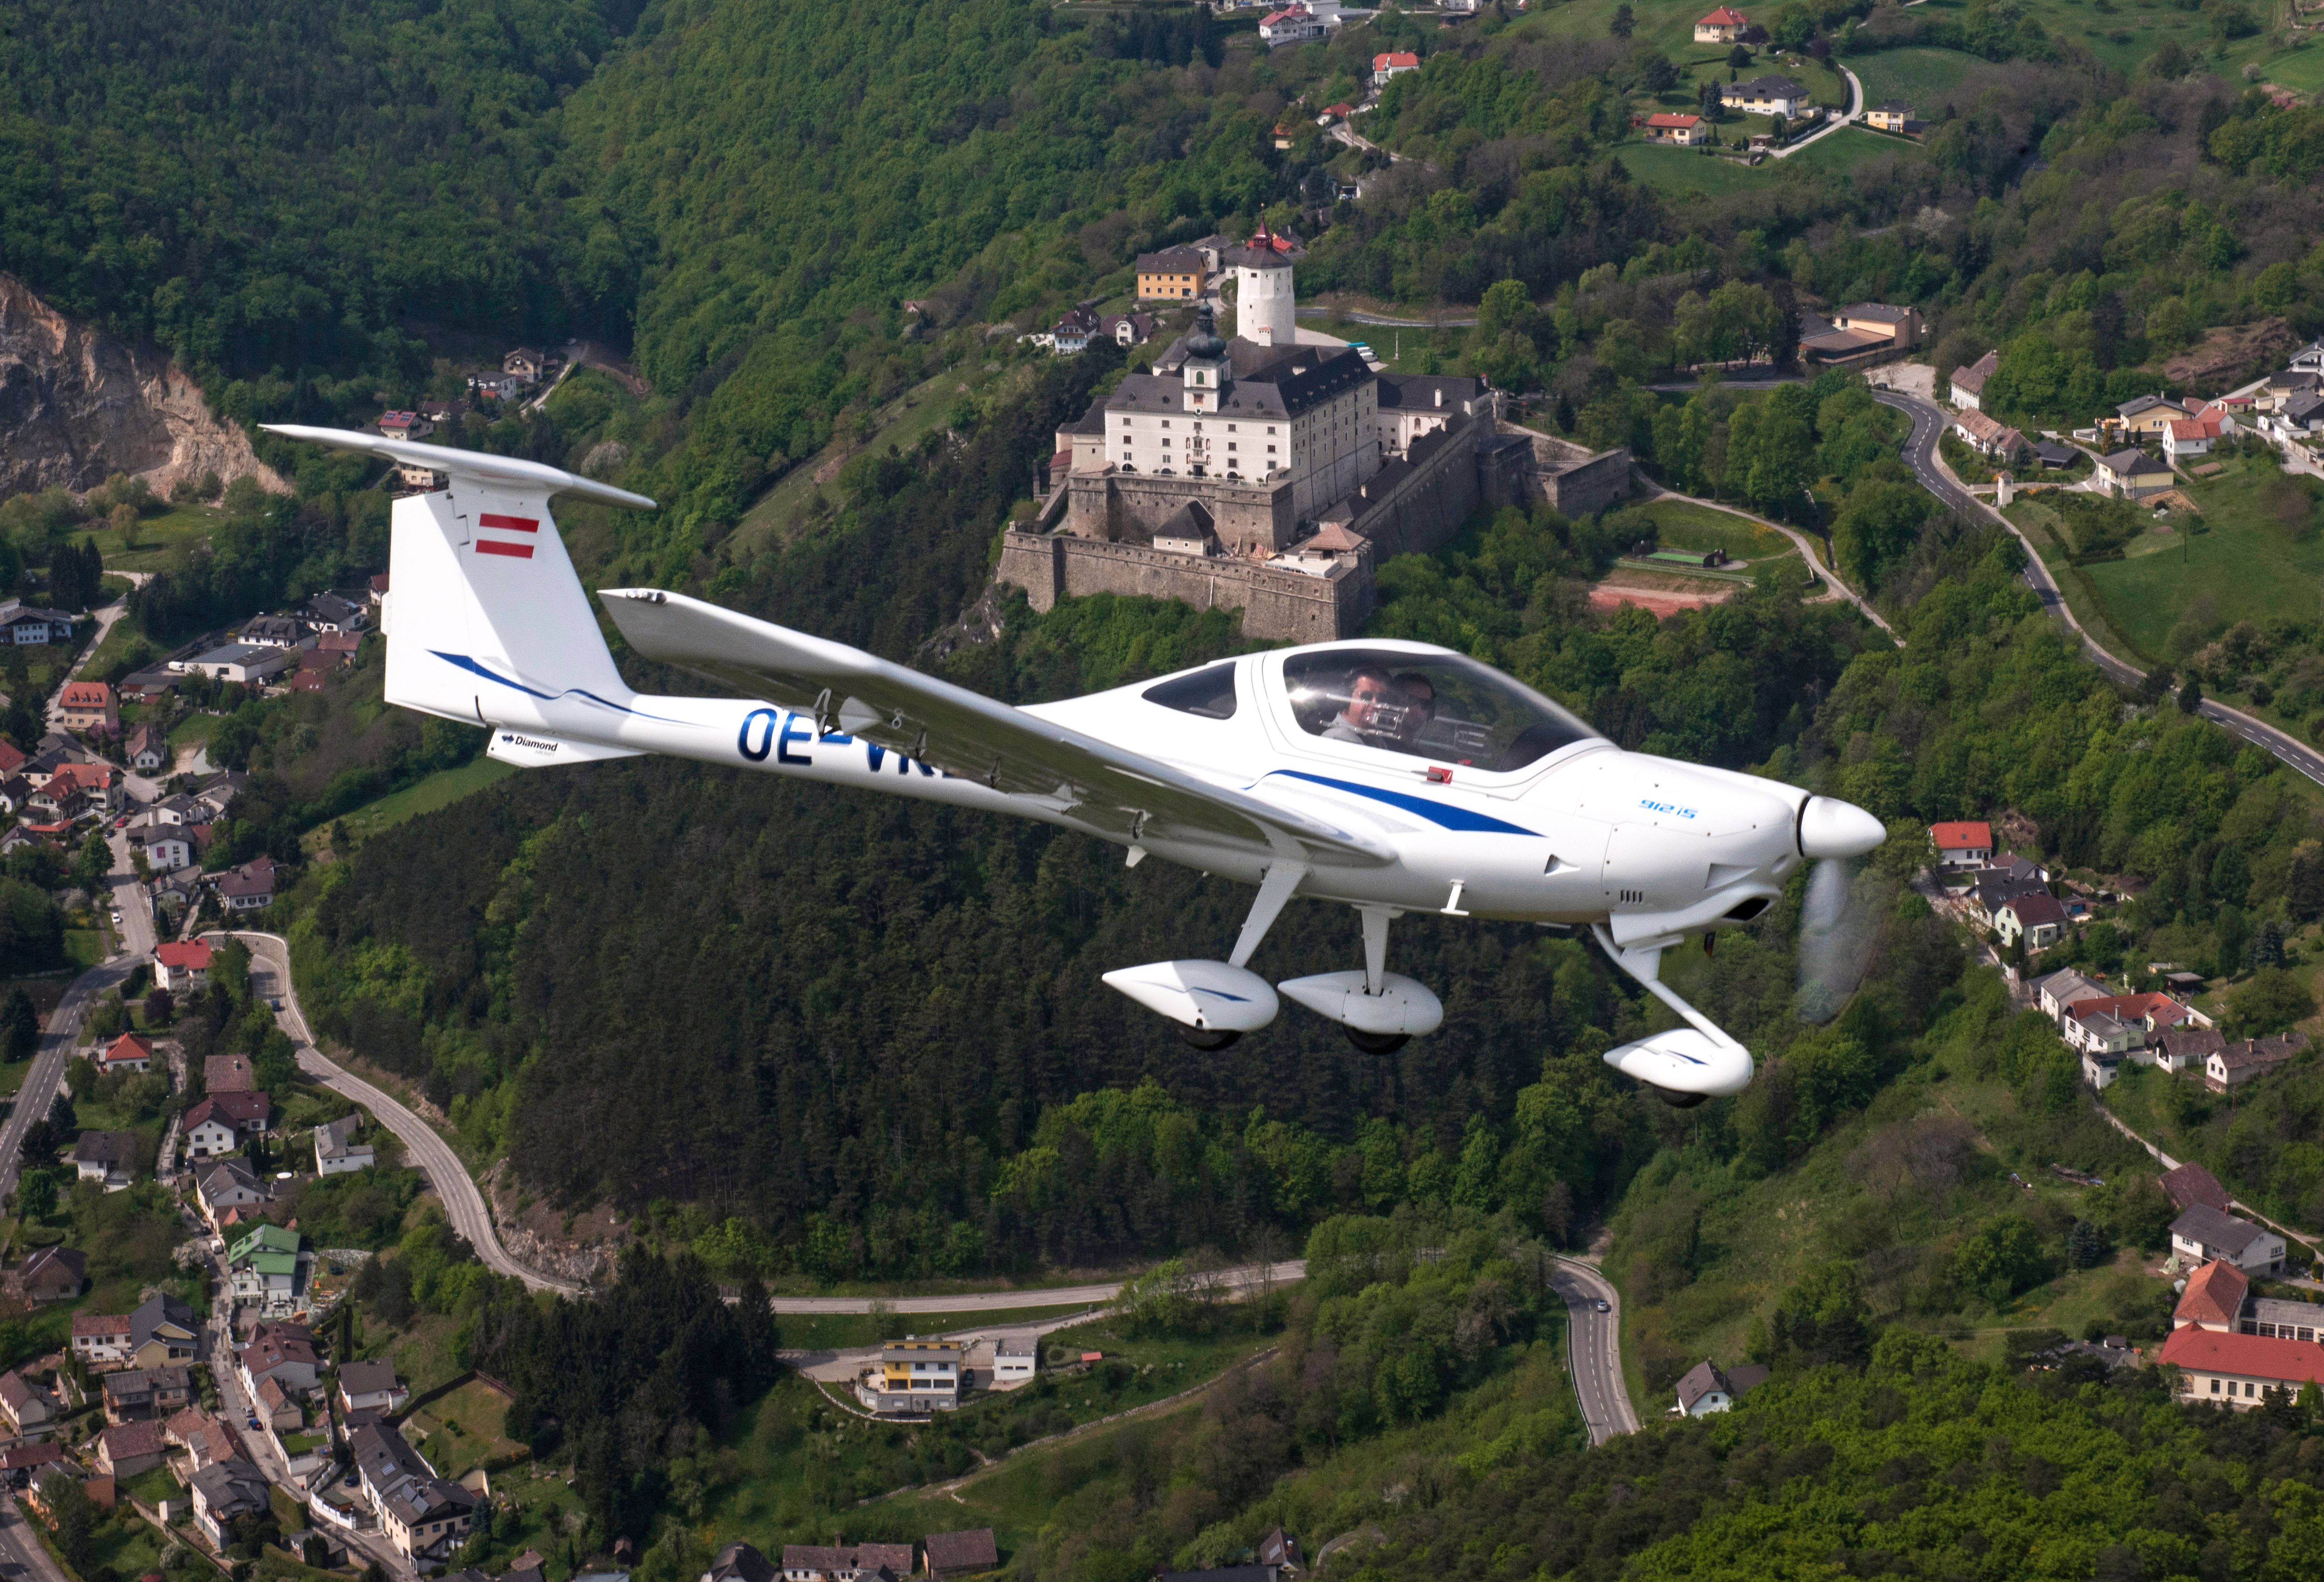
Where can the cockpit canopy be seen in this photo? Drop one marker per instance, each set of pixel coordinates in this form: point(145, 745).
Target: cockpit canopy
point(1440, 706)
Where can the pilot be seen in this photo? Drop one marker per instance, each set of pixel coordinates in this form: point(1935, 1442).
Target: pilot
point(1417, 695)
point(1371, 699)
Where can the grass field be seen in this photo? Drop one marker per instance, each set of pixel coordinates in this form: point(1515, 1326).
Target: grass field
point(1921, 77)
point(439, 789)
point(2090, 607)
point(1681, 525)
point(462, 1429)
point(149, 545)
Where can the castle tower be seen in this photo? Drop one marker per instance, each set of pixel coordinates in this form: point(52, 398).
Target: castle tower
point(1265, 311)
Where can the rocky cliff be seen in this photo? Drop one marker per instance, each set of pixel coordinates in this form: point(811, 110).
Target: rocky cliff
point(77, 406)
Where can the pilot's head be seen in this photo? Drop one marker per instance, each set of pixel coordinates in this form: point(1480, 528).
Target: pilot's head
point(1371, 698)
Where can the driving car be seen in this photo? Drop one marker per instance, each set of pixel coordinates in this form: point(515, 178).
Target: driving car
point(1602, 1306)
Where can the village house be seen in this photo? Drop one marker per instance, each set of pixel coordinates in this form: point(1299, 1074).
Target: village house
point(1707, 1388)
point(972, 1552)
point(132, 1051)
point(332, 614)
point(272, 632)
point(815, 1562)
point(1392, 64)
point(405, 425)
point(219, 1124)
point(1962, 844)
point(19, 1464)
point(2147, 416)
point(2188, 1048)
point(162, 1331)
point(2189, 1184)
point(264, 1266)
point(740, 1562)
point(166, 849)
point(30, 1411)
point(126, 1449)
point(2190, 437)
point(249, 887)
point(54, 1274)
point(1994, 441)
point(88, 706)
point(204, 1438)
point(914, 1377)
point(1173, 274)
point(1892, 116)
point(1966, 386)
point(28, 625)
point(2235, 1064)
point(1686, 131)
point(2237, 1370)
point(530, 364)
point(2134, 474)
point(278, 1408)
point(228, 1073)
point(103, 1157)
point(136, 1394)
point(282, 1352)
point(100, 784)
point(246, 662)
point(424, 1516)
point(101, 1339)
point(1294, 25)
point(227, 1184)
point(224, 1492)
point(1722, 26)
point(337, 1152)
point(182, 965)
point(2202, 1234)
point(2219, 1298)
point(371, 1386)
point(1772, 95)
point(2035, 917)
point(1015, 1360)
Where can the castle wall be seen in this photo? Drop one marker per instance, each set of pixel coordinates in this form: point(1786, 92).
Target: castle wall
point(1277, 605)
point(1131, 505)
point(1422, 510)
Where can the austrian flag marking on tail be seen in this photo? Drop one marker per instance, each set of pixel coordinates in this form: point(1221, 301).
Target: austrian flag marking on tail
point(494, 522)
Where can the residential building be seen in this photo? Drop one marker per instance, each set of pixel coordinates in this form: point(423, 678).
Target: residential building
point(1967, 387)
point(1707, 1388)
point(529, 364)
point(162, 1332)
point(28, 625)
point(229, 1184)
point(1992, 888)
point(166, 849)
point(814, 1562)
point(2186, 1185)
point(740, 1562)
point(1995, 441)
point(2213, 1298)
point(1772, 95)
point(2237, 1370)
point(914, 1377)
point(227, 1073)
point(1407, 407)
point(30, 1411)
point(1015, 1359)
point(19, 1464)
point(2129, 1020)
point(330, 613)
point(2202, 1234)
point(248, 888)
point(101, 1339)
point(1722, 26)
point(2186, 1048)
point(209, 1137)
point(248, 1112)
point(1392, 64)
point(2060, 990)
point(2237, 1064)
point(104, 1157)
point(282, 1352)
point(2035, 917)
point(224, 1492)
point(424, 1516)
point(1891, 116)
point(2147, 416)
point(54, 1274)
point(99, 783)
point(1686, 131)
point(411, 474)
point(126, 1449)
point(371, 1386)
point(130, 1052)
point(342, 647)
point(138, 1394)
point(88, 706)
point(205, 1438)
point(2132, 474)
point(2299, 418)
point(337, 1152)
point(2190, 437)
point(2280, 1318)
point(1962, 844)
point(246, 662)
point(973, 1550)
point(272, 632)
point(264, 1266)
point(1294, 25)
point(1173, 274)
point(403, 425)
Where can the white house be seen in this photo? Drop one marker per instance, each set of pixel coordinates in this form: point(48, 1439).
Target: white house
point(2203, 1234)
point(2036, 917)
point(336, 1153)
point(238, 661)
point(1393, 63)
point(166, 851)
point(2186, 437)
point(1968, 845)
point(1015, 1359)
point(1772, 95)
point(1722, 26)
point(1967, 385)
point(371, 1387)
point(1707, 1388)
point(1294, 25)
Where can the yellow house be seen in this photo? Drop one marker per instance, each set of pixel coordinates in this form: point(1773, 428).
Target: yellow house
point(1175, 274)
point(1894, 115)
point(2134, 474)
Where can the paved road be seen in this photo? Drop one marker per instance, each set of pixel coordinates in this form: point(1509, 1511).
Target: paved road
point(22, 1556)
point(1239, 1281)
point(1929, 421)
point(1594, 1342)
point(42, 1083)
point(270, 970)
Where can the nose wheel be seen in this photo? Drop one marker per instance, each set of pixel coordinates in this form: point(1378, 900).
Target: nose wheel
point(1210, 1038)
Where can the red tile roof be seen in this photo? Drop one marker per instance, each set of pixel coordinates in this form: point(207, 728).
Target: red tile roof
point(2250, 1356)
point(129, 1046)
point(192, 955)
point(1671, 120)
point(2189, 1184)
point(2214, 1295)
point(2166, 1011)
point(1962, 837)
point(85, 695)
point(98, 1324)
point(1725, 16)
point(1394, 57)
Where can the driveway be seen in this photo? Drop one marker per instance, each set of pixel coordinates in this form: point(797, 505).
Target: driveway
point(1855, 109)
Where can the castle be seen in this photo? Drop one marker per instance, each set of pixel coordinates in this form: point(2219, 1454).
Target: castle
point(1269, 472)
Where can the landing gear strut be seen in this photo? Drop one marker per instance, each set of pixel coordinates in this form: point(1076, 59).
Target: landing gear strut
point(1380, 1010)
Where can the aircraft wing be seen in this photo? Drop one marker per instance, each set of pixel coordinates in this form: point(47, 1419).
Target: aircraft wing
point(1096, 782)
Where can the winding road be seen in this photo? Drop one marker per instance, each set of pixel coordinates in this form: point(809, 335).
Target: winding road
point(270, 972)
point(1594, 1347)
point(1929, 423)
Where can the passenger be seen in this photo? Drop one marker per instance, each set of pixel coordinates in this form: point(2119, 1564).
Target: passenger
point(1417, 695)
point(1371, 696)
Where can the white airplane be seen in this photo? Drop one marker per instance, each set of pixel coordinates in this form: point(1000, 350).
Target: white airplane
point(1392, 777)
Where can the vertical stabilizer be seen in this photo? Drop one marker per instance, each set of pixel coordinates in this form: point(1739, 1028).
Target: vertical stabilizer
point(487, 622)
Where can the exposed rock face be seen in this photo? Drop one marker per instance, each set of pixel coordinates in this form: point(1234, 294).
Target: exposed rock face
point(77, 406)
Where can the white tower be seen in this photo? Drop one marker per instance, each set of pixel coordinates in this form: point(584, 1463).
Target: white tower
point(1264, 308)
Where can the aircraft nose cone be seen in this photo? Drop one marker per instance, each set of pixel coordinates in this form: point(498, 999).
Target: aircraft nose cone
point(1833, 829)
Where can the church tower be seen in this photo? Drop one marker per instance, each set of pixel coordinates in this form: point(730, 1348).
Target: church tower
point(1265, 311)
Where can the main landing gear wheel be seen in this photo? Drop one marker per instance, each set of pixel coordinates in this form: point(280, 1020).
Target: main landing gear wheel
point(1677, 1100)
point(1375, 1043)
point(1210, 1038)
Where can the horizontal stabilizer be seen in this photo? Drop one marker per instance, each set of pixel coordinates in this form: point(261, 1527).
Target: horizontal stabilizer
point(528, 751)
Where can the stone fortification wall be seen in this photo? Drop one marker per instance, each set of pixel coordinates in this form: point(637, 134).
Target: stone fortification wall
point(1277, 605)
point(1421, 509)
point(1574, 480)
point(1131, 505)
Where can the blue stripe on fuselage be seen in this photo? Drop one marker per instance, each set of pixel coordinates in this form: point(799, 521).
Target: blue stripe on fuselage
point(1439, 813)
